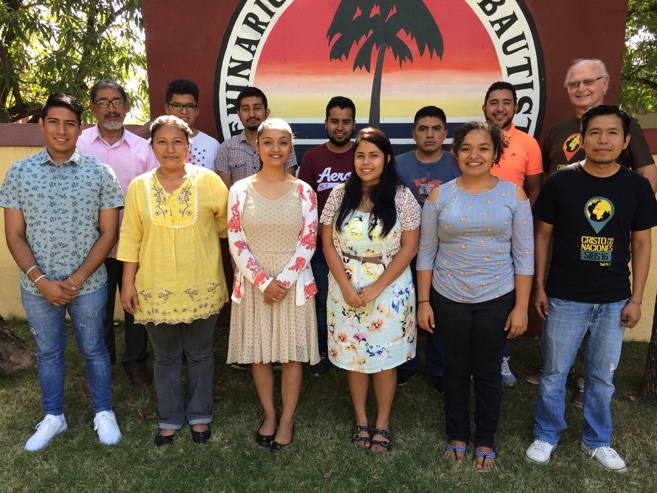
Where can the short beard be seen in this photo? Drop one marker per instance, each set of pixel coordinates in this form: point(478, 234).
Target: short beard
point(112, 125)
point(505, 124)
point(339, 143)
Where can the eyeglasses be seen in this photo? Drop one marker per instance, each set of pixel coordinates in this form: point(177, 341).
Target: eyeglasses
point(104, 103)
point(586, 82)
point(177, 107)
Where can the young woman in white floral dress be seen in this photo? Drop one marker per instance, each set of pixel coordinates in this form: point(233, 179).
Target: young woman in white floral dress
point(370, 235)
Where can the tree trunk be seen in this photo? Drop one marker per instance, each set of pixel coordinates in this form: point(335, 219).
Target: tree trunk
point(14, 354)
point(375, 101)
point(650, 380)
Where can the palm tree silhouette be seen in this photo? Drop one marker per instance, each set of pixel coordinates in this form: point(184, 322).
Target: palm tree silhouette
point(377, 23)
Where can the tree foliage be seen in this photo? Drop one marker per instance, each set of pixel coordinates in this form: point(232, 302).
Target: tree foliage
point(639, 73)
point(51, 46)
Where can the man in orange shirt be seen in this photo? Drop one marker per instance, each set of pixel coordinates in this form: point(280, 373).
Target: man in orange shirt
point(521, 163)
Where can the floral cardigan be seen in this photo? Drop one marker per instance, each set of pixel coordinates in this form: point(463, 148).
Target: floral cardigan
point(297, 269)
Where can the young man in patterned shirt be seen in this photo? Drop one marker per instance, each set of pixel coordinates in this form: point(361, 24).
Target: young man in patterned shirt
point(61, 221)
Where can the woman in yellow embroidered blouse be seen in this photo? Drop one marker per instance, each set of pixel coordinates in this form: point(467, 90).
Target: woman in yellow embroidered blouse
point(173, 280)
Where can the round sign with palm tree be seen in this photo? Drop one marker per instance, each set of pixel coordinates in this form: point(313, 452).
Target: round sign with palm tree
point(391, 57)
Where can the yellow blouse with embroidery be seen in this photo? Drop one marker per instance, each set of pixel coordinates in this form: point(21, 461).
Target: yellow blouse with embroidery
point(174, 237)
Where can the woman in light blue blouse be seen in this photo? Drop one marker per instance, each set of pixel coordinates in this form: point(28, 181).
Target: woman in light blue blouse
point(474, 271)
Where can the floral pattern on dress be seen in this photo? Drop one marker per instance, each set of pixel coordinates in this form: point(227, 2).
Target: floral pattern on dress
point(382, 334)
point(408, 214)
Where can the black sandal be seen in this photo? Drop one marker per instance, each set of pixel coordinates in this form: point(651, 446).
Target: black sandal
point(387, 444)
point(356, 438)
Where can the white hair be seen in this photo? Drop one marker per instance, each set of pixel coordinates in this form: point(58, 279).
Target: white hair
point(577, 61)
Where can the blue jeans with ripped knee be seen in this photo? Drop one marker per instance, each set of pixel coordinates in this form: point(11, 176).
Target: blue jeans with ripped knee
point(48, 325)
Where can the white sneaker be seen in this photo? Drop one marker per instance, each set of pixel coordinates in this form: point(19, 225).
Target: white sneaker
point(108, 429)
point(49, 428)
point(540, 451)
point(606, 456)
point(508, 378)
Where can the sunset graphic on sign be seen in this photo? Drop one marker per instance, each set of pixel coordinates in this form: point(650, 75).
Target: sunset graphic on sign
point(295, 70)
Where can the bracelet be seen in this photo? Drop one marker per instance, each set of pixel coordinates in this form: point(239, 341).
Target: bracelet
point(71, 281)
point(425, 301)
point(27, 272)
point(38, 279)
point(635, 302)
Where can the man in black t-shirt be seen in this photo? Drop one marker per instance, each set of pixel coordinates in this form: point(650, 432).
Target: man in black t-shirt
point(593, 211)
point(587, 82)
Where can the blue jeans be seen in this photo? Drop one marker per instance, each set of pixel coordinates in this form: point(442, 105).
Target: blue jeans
point(597, 327)
point(320, 273)
point(47, 324)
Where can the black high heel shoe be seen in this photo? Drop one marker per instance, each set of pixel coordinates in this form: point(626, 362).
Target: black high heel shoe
point(264, 440)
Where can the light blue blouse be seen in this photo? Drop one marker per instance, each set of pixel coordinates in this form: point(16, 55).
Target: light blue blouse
point(475, 244)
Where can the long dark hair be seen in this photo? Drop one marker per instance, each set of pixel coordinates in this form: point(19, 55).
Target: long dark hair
point(382, 195)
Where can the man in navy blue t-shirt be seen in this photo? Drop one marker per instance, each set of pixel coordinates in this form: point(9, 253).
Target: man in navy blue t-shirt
point(421, 170)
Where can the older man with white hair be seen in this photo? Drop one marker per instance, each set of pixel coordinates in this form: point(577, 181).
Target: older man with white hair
point(587, 83)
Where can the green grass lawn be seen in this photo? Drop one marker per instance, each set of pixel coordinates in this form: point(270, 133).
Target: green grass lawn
point(321, 457)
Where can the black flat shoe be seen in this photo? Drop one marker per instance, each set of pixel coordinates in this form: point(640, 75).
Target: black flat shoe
point(275, 446)
point(264, 440)
point(201, 437)
point(161, 440)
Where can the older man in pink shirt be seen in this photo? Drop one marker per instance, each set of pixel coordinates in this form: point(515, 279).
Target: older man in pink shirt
point(129, 156)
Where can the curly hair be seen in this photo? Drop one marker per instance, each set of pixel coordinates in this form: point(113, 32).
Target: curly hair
point(500, 141)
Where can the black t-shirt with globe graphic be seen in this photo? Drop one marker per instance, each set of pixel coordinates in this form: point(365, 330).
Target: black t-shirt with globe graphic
point(593, 219)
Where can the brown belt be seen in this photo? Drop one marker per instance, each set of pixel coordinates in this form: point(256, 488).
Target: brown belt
point(371, 260)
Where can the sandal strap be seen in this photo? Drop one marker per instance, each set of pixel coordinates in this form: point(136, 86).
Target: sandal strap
point(487, 455)
point(359, 429)
point(356, 437)
point(459, 448)
point(384, 433)
point(380, 443)
point(387, 444)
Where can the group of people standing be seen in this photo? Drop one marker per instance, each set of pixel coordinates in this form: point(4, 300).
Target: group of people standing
point(442, 240)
